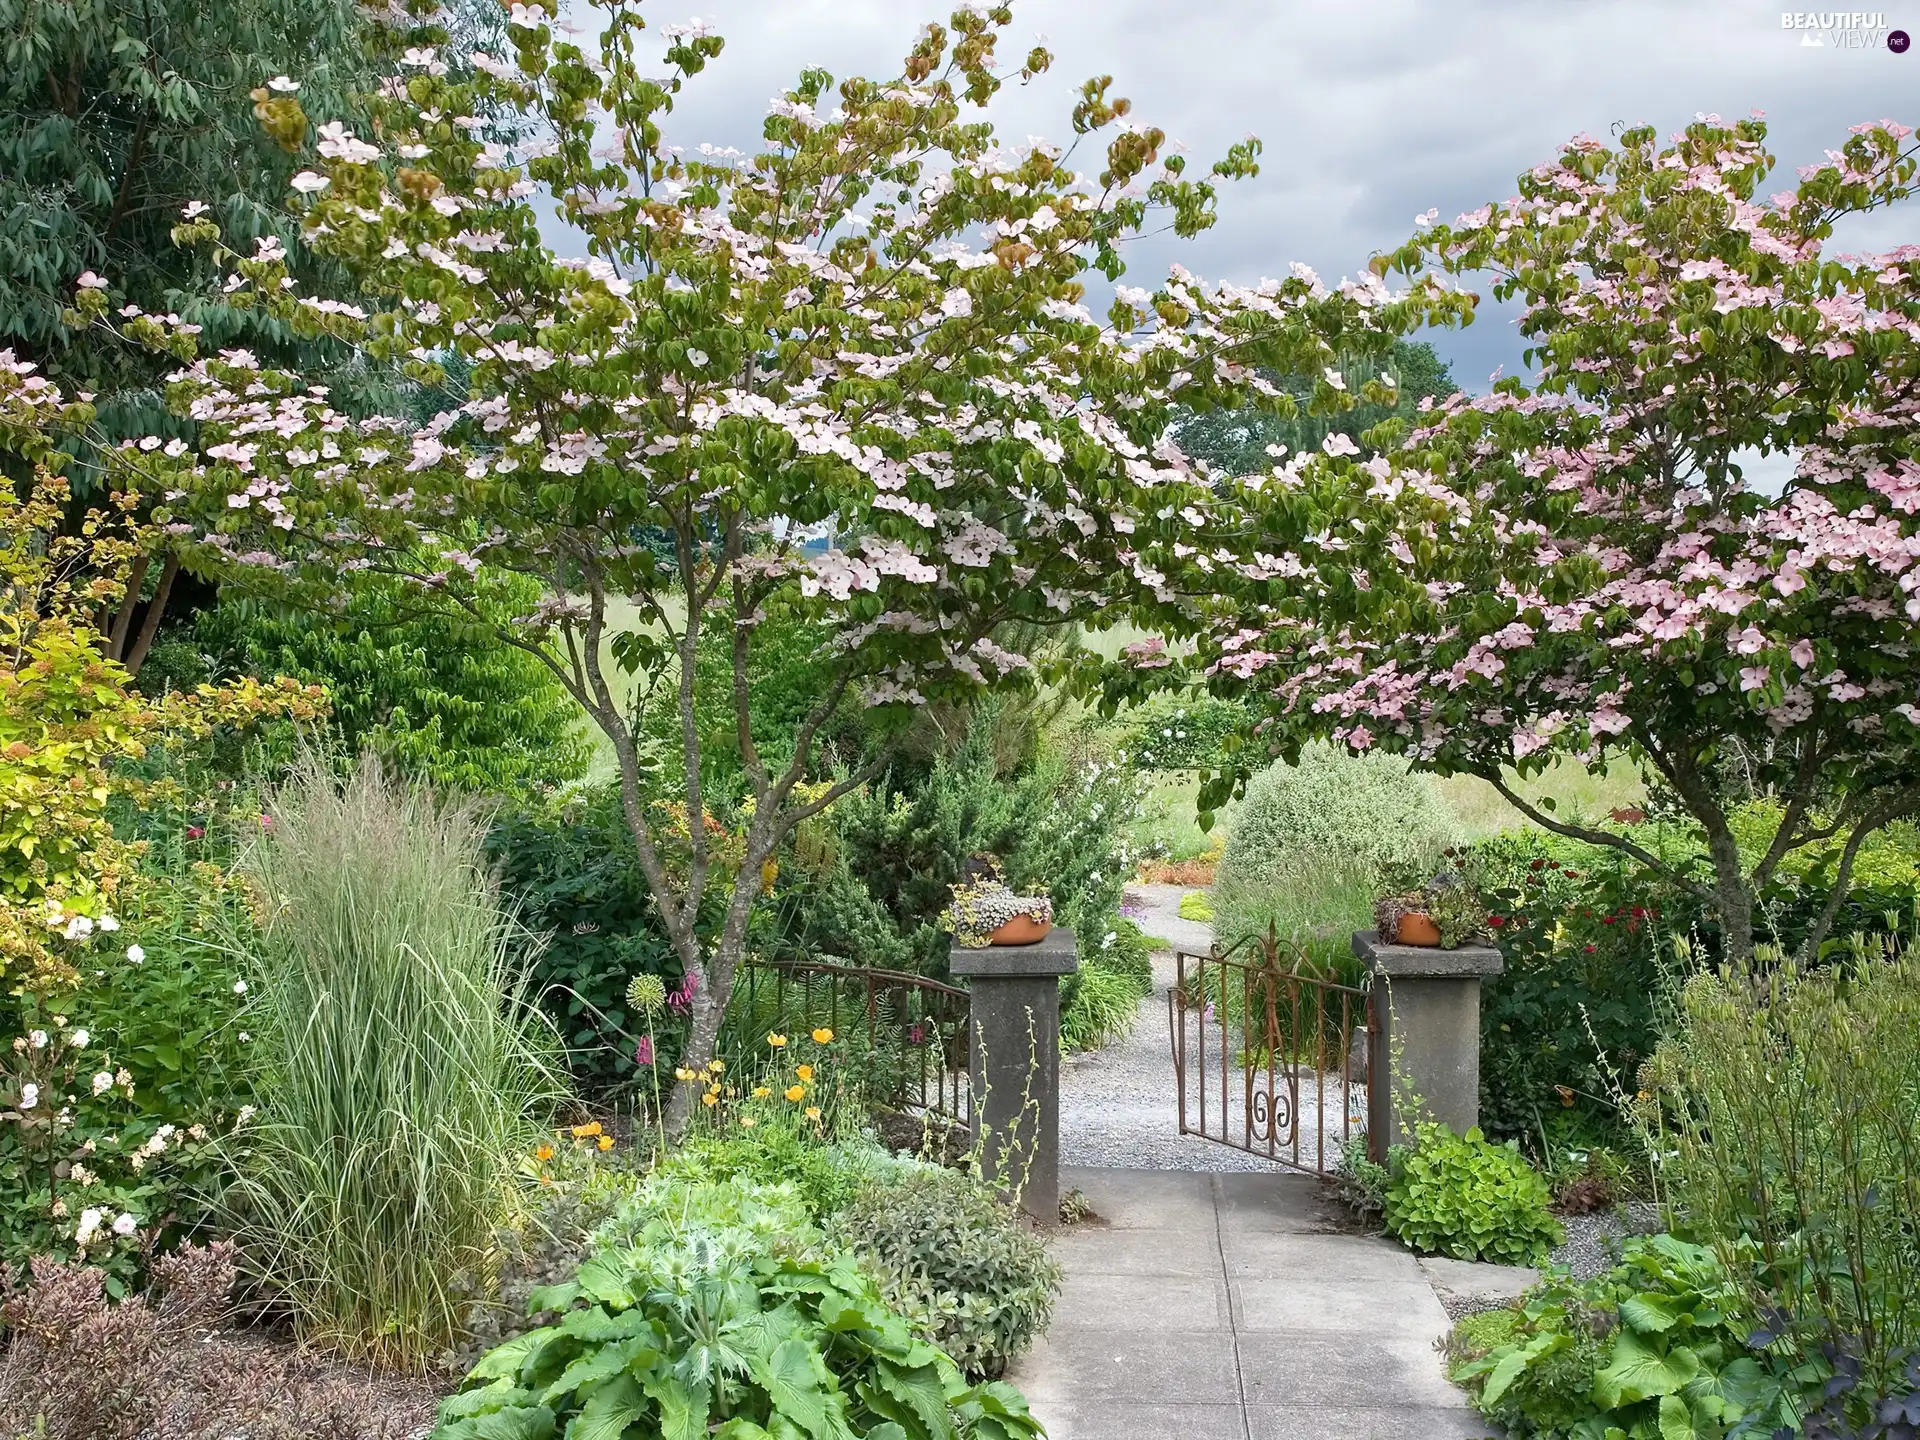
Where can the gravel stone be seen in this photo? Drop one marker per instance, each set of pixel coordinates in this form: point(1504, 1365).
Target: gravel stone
point(1118, 1107)
point(1593, 1241)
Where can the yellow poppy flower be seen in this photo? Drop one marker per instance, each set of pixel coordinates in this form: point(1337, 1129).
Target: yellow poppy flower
point(796, 1092)
point(823, 1036)
point(748, 1121)
point(710, 1098)
point(543, 1153)
point(716, 1066)
point(761, 1092)
point(682, 1073)
point(805, 1072)
point(606, 1142)
point(777, 1041)
point(813, 1112)
point(587, 1131)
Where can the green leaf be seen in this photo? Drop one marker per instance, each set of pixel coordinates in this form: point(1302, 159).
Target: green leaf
point(1676, 1420)
point(791, 1377)
point(1649, 1312)
point(1639, 1372)
point(506, 1360)
point(604, 1278)
point(597, 1365)
point(520, 1422)
point(683, 1411)
point(609, 1411)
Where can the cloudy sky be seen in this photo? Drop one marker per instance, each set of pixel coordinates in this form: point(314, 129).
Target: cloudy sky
point(1371, 110)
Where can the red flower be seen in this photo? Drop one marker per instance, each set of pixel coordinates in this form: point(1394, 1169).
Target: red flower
point(194, 832)
point(1590, 949)
point(1538, 865)
point(1639, 912)
point(1496, 921)
point(1607, 919)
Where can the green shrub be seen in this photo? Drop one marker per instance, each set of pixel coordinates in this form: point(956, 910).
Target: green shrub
point(1652, 1350)
point(570, 872)
point(1194, 905)
point(436, 699)
point(401, 1068)
point(1332, 809)
point(159, 1019)
point(722, 1313)
point(1182, 732)
point(1059, 822)
point(1787, 1111)
point(1097, 1005)
point(956, 1262)
point(824, 1177)
point(1125, 949)
point(1463, 1196)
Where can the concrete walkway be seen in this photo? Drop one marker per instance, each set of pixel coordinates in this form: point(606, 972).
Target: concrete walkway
point(1237, 1307)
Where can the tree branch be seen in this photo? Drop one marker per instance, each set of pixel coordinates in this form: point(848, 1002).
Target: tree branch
point(1592, 837)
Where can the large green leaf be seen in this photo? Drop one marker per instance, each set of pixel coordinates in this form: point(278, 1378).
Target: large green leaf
point(683, 1409)
point(609, 1411)
point(912, 1397)
point(792, 1375)
point(601, 1364)
point(606, 1278)
point(1650, 1312)
point(506, 1359)
point(518, 1422)
point(1637, 1371)
point(1676, 1419)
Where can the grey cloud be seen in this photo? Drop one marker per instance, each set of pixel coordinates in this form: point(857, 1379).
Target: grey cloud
point(1370, 113)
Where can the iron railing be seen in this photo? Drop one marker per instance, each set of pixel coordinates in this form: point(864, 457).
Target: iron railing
point(1263, 1054)
point(904, 1035)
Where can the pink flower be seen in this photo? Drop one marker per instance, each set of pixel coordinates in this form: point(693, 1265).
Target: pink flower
point(1754, 677)
point(1802, 653)
point(643, 1052)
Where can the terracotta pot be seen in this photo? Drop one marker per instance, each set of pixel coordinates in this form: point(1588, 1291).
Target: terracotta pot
point(1021, 930)
point(1416, 928)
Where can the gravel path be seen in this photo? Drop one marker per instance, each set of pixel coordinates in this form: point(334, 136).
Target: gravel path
point(1118, 1106)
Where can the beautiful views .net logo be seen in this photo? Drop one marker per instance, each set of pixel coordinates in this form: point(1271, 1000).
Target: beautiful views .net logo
point(1844, 30)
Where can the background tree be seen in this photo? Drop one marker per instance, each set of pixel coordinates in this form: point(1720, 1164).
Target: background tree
point(1235, 441)
point(1577, 566)
point(802, 338)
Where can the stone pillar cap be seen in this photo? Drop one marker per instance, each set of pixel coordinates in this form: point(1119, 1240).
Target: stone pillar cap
point(1055, 955)
point(1424, 961)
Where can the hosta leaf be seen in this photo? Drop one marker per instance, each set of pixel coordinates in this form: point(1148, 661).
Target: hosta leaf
point(609, 1411)
point(605, 1278)
point(519, 1422)
point(1676, 1419)
point(1637, 1371)
point(683, 1409)
point(598, 1365)
point(1648, 1312)
point(912, 1398)
point(791, 1376)
point(506, 1359)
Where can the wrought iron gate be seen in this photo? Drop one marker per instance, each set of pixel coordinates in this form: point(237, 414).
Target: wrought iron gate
point(1264, 1058)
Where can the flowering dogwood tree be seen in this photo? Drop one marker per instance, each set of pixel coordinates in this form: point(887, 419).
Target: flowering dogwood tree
point(1576, 564)
point(873, 326)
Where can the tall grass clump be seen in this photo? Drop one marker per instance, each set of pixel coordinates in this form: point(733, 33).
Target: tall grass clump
point(403, 1068)
point(1786, 1107)
point(1309, 842)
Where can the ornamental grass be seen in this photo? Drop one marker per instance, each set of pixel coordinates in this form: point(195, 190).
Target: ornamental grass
point(403, 1065)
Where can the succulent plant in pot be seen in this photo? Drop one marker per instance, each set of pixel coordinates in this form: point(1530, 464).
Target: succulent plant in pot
point(1440, 910)
point(985, 912)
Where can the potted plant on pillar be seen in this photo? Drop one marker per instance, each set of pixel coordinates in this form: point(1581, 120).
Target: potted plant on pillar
point(984, 910)
point(1443, 911)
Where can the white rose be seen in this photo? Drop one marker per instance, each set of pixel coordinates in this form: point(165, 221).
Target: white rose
point(79, 1039)
point(136, 954)
point(102, 1081)
point(89, 1226)
point(29, 1096)
point(125, 1224)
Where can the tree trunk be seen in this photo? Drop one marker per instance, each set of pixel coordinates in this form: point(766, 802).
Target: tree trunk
point(1732, 897)
point(707, 1009)
point(150, 626)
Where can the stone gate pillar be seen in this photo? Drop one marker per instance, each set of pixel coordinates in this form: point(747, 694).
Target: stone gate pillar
point(1426, 1003)
point(1014, 1051)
